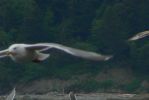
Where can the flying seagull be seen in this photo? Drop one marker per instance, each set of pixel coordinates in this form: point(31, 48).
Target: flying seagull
point(139, 36)
point(11, 95)
point(72, 96)
point(34, 52)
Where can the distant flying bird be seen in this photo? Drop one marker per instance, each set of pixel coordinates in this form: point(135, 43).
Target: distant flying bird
point(139, 36)
point(34, 52)
point(72, 96)
point(11, 95)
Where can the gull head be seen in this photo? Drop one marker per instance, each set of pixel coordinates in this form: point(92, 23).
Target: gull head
point(17, 51)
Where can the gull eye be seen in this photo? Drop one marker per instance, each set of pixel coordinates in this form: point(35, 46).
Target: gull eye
point(14, 48)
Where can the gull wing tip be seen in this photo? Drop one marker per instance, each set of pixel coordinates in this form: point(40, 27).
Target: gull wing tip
point(108, 57)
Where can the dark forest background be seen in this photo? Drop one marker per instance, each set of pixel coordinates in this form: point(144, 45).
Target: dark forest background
point(102, 26)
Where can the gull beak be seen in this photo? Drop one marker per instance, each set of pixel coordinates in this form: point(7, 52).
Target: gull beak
point(10, 53)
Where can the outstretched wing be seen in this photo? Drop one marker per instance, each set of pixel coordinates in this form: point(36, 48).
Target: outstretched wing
point(11, 95)
point(69, 50)
point(139, 36)
point(3, 53)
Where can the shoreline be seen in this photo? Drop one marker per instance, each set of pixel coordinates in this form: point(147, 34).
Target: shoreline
point(90, 96)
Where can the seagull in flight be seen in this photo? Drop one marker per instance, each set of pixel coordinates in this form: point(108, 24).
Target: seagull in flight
point(11, 95)
point(139, 36)
point(35, 52)
point(72, 96)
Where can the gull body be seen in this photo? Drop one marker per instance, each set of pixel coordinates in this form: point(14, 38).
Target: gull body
point(34, 52)
point(19, 53)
